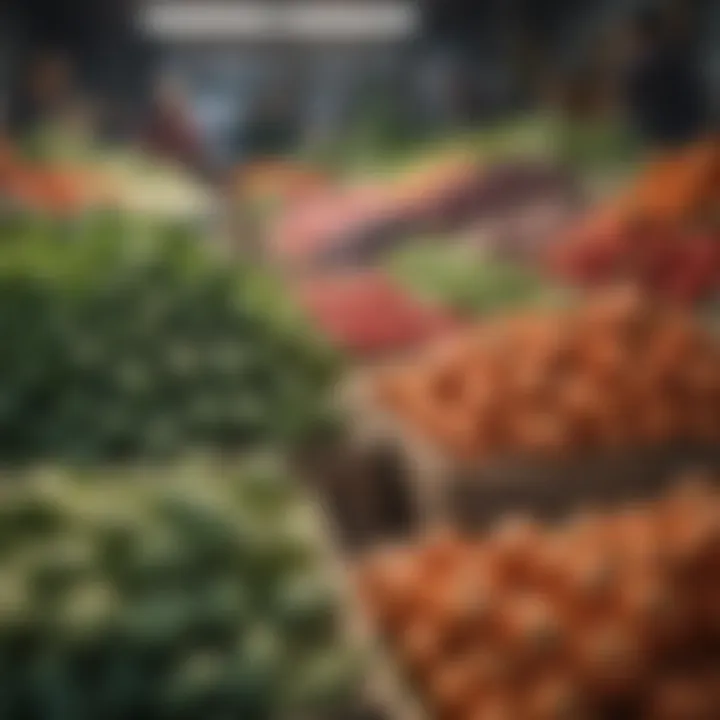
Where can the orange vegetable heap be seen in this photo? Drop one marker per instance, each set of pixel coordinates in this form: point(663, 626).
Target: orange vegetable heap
point(608, 615)
point(684, 186)
point(59, 190)
point(615, 372)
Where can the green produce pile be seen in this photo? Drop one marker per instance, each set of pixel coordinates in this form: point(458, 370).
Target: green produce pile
point(589, 147)
point(599, 147)
point(59, 143)
point(461, 278)
point(187, 594)
point(525, 137)
point(140, 183)
point(146, 185)
point(117, 346)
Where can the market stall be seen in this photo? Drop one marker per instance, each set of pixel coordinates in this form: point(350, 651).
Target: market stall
point(439, 437)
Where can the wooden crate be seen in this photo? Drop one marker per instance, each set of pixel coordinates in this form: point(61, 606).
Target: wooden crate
point(434, 489)
point(365, 492)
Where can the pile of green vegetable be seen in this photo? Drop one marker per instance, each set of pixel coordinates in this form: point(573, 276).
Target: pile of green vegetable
point(118, 344)
point(194, 593)
point(462, 278)
point(137, 182)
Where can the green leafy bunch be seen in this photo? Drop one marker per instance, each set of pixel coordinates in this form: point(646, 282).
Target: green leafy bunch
point(121, 340)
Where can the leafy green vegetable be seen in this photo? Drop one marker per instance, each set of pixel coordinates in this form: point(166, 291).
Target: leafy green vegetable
point(115, 346)
point(459, 277)
point(162, 631)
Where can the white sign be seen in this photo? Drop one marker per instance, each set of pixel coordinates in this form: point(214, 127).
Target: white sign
point(307, 21)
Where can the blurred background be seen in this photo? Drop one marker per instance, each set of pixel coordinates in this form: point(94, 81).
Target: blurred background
point(449, 65)
point(282, 281)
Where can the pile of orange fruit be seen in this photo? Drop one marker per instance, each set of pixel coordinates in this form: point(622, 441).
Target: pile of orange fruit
point(615, 372)
point(607, 615)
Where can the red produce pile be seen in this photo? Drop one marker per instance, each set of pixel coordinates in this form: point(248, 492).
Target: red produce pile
point(681, 264)
point(663, 232)
point(366, 313)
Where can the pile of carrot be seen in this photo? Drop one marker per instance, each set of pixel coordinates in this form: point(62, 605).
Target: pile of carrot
point(616, 372)
point(608, 615)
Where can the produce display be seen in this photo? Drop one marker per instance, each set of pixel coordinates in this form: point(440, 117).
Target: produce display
point(540, 137)
point(120, 345)
point(355, 224)
point(523, 234)
point(59, 141)
point(56, 189)
point(663, 232)
point(60, 179)
point(146, 186)
point(682, 265)
point(365, 313)
point(191, 592)
point(594, 146)
point(609, 615)
point(683, 186)
point(615, 372)
point(309, 231)
point(462, 278)
point(204, 590)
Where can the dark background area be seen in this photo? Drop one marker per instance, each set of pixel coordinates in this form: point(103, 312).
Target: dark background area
point(513, 45)
point(98, 37)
